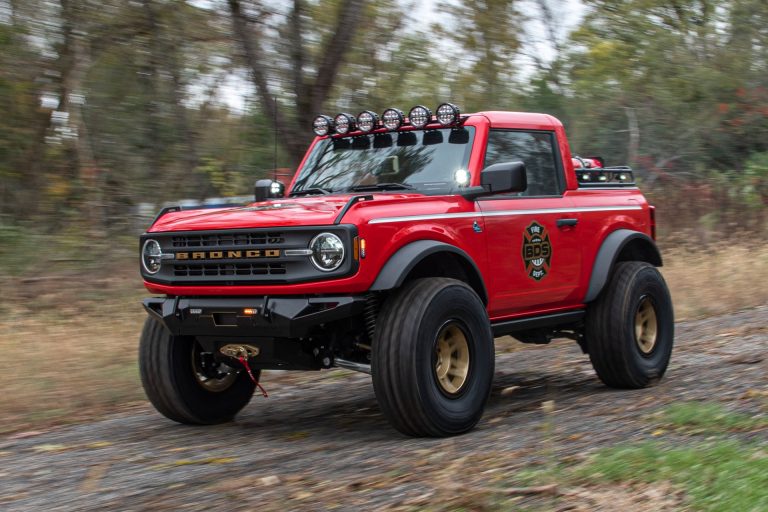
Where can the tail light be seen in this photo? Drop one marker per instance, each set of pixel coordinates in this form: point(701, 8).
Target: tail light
point(652, 209)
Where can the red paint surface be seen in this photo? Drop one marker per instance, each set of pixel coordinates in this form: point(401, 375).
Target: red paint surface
point(496, 250)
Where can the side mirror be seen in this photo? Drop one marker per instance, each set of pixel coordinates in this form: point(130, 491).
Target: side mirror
point(499, 178)
point(268, 189)
point(504, 177)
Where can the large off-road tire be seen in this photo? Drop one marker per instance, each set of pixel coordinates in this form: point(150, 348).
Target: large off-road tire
point(184, 383)
point(433, 358)
point(630, 327)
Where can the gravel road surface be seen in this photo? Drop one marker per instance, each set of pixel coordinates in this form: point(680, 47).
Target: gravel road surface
point(319, 441)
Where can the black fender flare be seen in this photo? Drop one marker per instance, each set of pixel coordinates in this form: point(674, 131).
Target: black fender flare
point(400, 264)
point(613, 245)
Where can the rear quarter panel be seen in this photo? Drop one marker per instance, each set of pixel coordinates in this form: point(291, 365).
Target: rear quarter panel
point(604, 211)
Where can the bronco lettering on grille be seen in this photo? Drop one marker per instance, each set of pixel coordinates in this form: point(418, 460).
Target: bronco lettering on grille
point(229, 255)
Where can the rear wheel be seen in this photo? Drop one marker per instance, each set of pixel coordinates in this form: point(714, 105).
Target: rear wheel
point(185, 383)
point(433, 358)
point(630, 327)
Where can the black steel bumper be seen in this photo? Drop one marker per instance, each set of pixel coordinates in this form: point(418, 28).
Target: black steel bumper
point(252, 317)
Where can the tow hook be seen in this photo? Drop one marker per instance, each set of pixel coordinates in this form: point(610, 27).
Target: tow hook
point(238, 351)
point(242, 353)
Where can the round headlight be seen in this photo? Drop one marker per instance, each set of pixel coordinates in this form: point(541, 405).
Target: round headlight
point(448, 113)
point(327, 251)
point(366, 120)
point(322, 125)
point(151, 256)
point(392, 119)
point(420, 116)
point(344, 123)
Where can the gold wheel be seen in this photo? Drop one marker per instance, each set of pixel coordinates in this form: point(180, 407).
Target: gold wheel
point(452, 364)
point(212, 376)
point(646, 326)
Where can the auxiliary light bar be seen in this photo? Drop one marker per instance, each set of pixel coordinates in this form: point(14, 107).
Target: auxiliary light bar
point(392, 119)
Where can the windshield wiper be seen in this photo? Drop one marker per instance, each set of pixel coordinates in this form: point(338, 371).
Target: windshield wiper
point(381, 186)
point(311, 191)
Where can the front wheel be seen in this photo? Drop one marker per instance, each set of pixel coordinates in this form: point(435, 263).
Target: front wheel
point(185, 383)
point(630, 327)
point(433, 358)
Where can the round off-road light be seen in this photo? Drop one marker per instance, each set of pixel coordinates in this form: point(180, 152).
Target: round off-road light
point(366, 120)
point(322, 125)
point(461, 177)
point(392, 119)
point(327, 252)
point(344, 123)
point(448, 113)
point(420, 116)
point(151, 256)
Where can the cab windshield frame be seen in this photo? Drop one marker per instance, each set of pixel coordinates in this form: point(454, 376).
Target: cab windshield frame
point(422, 161)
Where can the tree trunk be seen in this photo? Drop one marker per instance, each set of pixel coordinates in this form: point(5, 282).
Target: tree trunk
point(286, 131)
point(310, 95)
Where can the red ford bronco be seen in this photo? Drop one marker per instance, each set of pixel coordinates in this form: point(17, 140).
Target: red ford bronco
point(404, 246)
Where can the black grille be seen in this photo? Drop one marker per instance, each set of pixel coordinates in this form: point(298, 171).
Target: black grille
point(229, 239)
point(229, 269)
point(248, 256)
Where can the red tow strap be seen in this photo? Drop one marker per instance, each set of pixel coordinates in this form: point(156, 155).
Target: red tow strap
point(244, 362)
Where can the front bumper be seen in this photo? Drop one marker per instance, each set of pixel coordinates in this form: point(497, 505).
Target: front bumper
point(250, 317)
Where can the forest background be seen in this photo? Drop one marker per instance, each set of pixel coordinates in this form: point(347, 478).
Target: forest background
point(112, 108)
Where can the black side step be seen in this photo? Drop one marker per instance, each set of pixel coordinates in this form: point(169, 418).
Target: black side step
point(536, 322)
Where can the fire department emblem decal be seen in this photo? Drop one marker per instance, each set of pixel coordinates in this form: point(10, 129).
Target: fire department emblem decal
point(537, 251)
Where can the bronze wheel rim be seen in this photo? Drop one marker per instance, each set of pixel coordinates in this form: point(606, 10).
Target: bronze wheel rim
point(646, 326)
point(452, 362)
point(217, 377)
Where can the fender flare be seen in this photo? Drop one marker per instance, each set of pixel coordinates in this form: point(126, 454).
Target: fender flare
point(608, 255)
point(405, 259)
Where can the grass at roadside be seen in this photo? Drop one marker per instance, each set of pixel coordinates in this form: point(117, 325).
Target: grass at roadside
point(68, 350)
point(716, 279)
point(705, 417)
point(717, 475)
point(712, 471)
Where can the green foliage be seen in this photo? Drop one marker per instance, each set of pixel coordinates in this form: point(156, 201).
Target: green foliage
point(487, 31)
point(724, 475)
point(676, 89)
point(709, 417)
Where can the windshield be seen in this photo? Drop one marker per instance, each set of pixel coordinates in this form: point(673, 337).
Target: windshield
point(426, 161)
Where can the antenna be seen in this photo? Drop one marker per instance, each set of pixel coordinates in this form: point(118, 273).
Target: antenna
point(274, 171)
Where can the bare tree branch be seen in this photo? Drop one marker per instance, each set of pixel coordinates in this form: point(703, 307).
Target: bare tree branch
point(297, 48)
point(240, 25)
point(350, 14)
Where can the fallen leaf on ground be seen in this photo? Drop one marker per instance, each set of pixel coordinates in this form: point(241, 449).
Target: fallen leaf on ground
point(94, 477)
point(508, 391)
point(753, 358)
point(755, 393)
point(296, 436)
point(24, 435)
point(270, 480)
point(99, 444)
point(50, 448)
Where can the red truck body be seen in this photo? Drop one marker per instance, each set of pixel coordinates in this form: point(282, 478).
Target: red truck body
point(392, 220)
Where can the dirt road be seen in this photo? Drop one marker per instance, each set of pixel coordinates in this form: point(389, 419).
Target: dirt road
point(319, 442)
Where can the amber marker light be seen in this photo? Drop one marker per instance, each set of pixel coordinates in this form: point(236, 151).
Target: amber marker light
point(362, 248)
point(250, 311)
point(356, 248)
